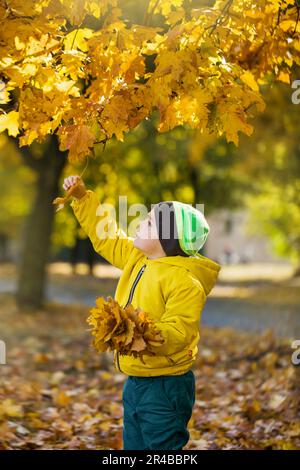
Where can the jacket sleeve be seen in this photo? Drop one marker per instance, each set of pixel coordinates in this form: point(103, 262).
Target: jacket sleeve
point(179, 324)
point(117, 247)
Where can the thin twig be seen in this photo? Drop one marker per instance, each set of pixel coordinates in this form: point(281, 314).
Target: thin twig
point(221, 18)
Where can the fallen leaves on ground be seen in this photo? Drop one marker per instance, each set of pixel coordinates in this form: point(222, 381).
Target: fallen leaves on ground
point(56, 392)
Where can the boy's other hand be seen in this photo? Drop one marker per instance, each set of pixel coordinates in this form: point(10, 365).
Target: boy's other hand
point(76, 185)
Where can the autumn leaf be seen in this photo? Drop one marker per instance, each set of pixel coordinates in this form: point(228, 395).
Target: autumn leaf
point(77, 39)
point(61, 399)
point(127, 330)
point(249, 79)
point(10, 409)
point(10, 121)
point(60, 202)
point(79, 140)
point(233, 121)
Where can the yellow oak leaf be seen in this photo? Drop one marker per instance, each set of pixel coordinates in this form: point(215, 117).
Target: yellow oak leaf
point(77, 39)
point(10, 122)
point(78, 139)
point(233, 120)
point(249, 79)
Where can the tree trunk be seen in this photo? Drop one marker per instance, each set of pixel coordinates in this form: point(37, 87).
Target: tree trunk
point(296, 272)
point(36, 234)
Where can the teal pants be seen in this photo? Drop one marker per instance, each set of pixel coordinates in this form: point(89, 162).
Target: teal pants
point(157, 411)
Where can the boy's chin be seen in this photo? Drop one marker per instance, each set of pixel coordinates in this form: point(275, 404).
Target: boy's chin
point(138, 243)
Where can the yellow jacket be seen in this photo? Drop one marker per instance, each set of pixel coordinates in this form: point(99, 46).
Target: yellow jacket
point(171, 289)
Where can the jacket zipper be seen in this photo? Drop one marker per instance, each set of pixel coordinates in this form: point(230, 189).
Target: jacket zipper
point(138, 277)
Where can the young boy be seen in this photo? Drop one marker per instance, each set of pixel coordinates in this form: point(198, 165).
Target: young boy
point(165, 276)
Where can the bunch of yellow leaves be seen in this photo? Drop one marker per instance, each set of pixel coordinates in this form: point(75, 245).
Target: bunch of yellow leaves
point(127, 330)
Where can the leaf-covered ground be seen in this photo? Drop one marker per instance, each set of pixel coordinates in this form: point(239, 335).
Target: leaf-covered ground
point(57, 393)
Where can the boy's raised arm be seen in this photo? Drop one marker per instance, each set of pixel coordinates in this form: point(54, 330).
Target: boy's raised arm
point(117, 247)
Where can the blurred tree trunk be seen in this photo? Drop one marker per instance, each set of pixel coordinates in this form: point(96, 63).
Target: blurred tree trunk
point(3, 247)
point(296, 272)
point(37, 229)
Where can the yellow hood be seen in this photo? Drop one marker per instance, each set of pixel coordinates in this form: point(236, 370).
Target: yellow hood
point(205, 269)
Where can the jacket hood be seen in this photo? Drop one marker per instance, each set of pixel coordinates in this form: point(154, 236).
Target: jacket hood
point(205, 269)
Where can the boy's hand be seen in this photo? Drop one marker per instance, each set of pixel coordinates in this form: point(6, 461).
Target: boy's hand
point(75, 186)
